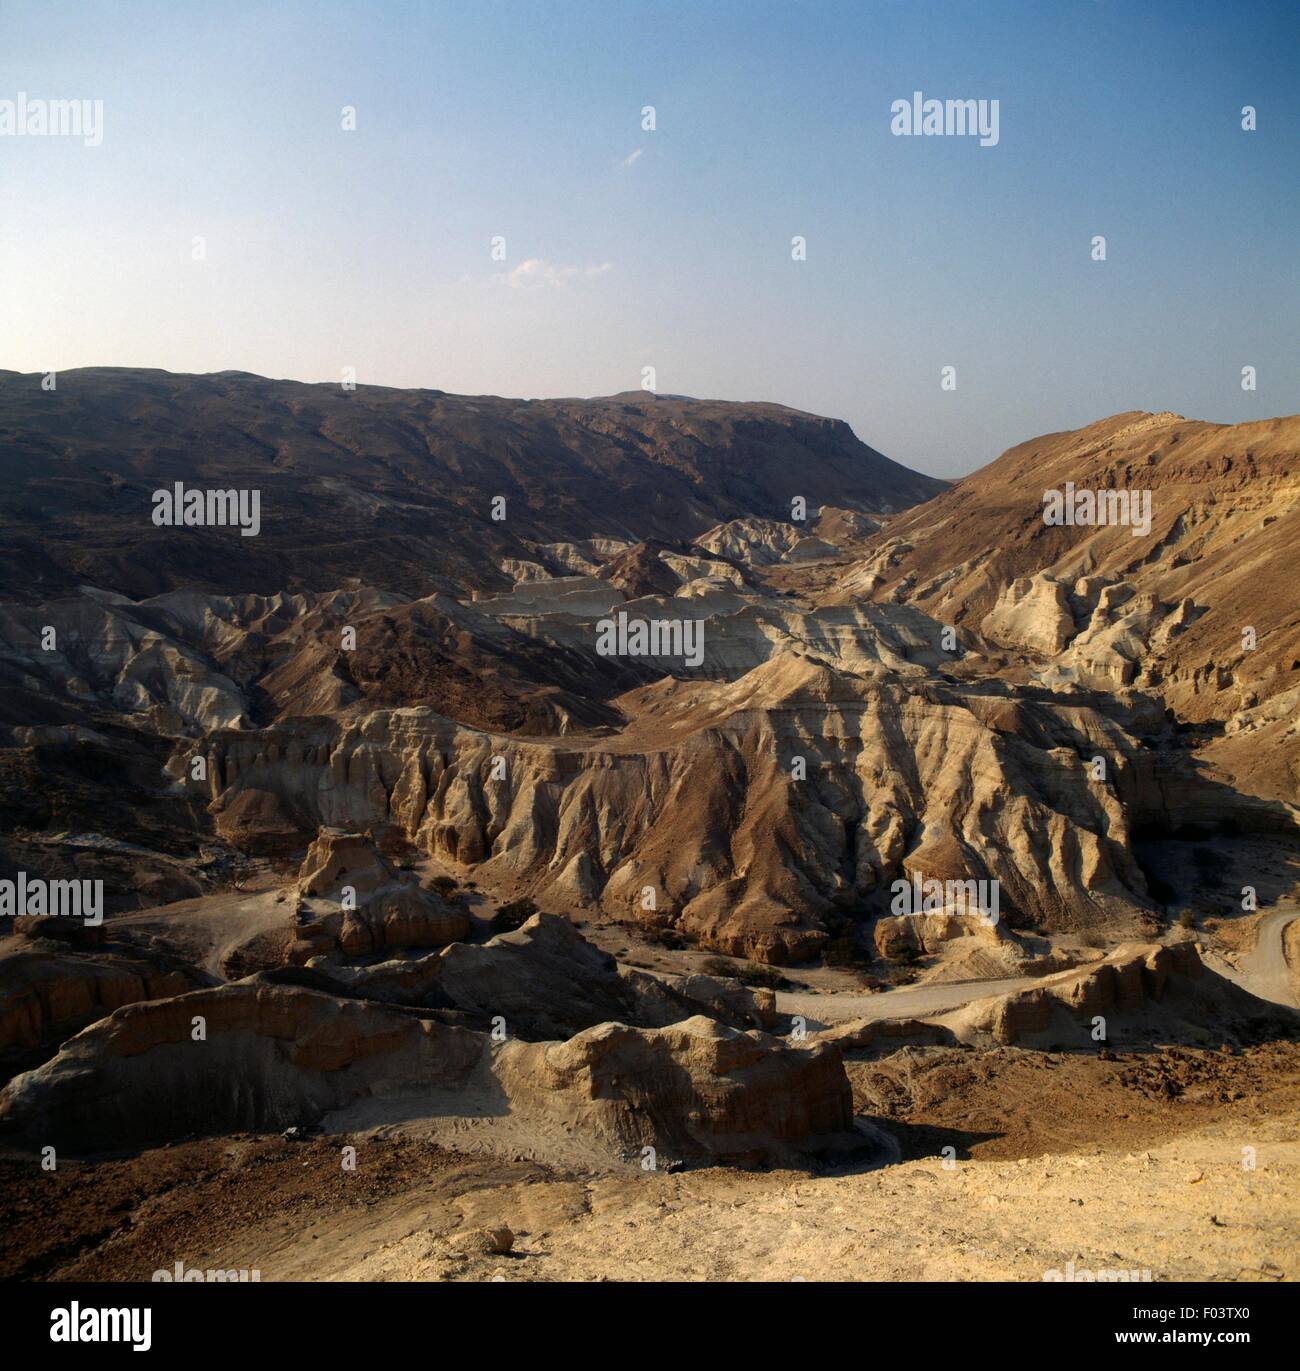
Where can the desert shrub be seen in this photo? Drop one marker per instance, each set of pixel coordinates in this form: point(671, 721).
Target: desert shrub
point(899, 975)
point(717, 966)
point(1093, 939)
point(764, 977)
point(443, 885)
point(1187, 919)
point(668, 938)
point(846, 951)
point(513, 915)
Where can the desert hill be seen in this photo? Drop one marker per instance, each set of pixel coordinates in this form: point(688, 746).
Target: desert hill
point(925, 691)
point(389, 488)
point(1165, 611)
point(399, 852)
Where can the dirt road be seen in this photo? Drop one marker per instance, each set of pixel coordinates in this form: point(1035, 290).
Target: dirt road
point(908, 1002)
point(1263, 970)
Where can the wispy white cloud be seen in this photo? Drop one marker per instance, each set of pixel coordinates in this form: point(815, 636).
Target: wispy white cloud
point(535, 272)
point(632, 156)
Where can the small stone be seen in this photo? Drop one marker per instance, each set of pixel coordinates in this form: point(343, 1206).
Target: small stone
point(491, 1242)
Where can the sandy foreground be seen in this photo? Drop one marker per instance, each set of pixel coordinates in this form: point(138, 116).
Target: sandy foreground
point(1133, 1178)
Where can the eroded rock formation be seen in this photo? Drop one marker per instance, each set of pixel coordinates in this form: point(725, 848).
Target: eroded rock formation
point(270, 1056)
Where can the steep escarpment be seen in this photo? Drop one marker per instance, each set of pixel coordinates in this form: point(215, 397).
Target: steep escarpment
point(389, 488)
point(721, 830)
point(1196, 606)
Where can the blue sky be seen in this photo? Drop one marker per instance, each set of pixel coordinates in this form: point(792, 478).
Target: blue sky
point(328, 249)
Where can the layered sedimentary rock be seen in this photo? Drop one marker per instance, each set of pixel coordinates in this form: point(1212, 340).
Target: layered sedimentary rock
point(976, 696)
point(47, 987)
point(1116, 999)
point(695, 1088)
point(545, 980)
point(927, 933)
point(1197, 608)
point(804, 787)
point(258, 1055)
point(352, 899)
point(1134, 996)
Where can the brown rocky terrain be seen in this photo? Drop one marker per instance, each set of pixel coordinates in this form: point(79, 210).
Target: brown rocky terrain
point(1129, 1163)
point(386, 487)
point(398, 855)
point(259, 1055)
point(1165, 611)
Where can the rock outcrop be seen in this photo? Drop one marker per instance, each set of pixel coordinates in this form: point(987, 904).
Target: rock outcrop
point(740, 851)
point(258, 1055)
point(1167, 610)
point(545, 980)
point(694, 1089)
point(49, 990)
point(1141, 992)
point(352, 899)
point(924, 934)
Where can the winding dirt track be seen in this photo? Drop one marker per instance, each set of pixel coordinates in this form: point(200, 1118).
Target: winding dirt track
point(1264, 970)
point(907, 1002)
